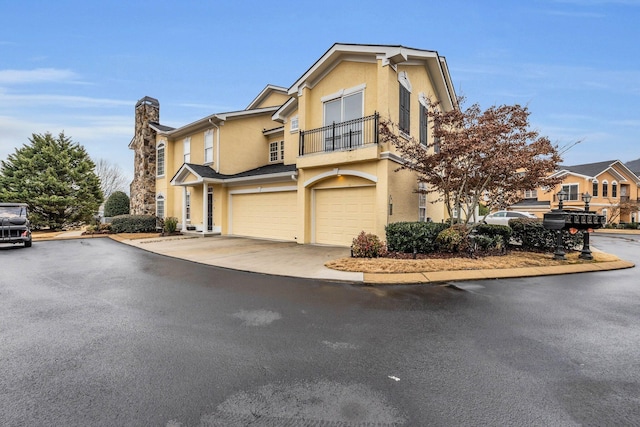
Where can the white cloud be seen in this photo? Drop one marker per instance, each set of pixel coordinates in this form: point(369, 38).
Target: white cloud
point(39, 75)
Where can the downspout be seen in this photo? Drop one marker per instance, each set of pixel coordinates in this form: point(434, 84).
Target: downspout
point(217, 162)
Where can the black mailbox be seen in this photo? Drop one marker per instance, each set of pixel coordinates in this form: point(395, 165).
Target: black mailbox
point(554, 220)
point(562, 220)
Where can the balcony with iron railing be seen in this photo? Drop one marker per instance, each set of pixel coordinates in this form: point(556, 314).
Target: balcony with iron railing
point(344, 136)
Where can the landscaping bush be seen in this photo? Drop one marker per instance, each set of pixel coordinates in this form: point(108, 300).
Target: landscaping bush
point(116, 204)
point(133, 224)
point(532, 235)
point(405, 236)
point(170, 224)
point(485, 243)
point(453, 239)
point(492, 230)
point(368, 245)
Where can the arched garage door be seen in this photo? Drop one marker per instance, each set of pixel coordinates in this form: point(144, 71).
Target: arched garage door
point(264, 215)
point(342, 213)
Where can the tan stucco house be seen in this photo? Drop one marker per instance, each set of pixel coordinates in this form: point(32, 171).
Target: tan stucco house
point(611, 184)
point(302, 163)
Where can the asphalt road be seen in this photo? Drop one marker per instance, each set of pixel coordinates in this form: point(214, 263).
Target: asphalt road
point(97, 333)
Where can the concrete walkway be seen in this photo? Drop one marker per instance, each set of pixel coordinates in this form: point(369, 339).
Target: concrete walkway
point(307, 261)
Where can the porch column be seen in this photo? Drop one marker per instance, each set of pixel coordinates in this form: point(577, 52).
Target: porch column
point(184, 208)
point(205, 195)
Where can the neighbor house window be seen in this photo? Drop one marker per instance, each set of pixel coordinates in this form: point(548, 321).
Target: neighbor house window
point(160, 159)
point(594, 189)
point(186, 150)
point(605, 189)
point(187, 206)
point(572, 191)
point(422, 202)
point(614, 189)
point(294, 123)
point(208, 146)
point(160, 206)
point(531, 194)
point(423, 125)
point(276, 151)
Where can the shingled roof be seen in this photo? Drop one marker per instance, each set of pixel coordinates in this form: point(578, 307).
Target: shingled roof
point(634, 166)
point(589, 169)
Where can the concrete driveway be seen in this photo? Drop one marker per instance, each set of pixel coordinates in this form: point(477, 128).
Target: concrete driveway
point(260, 256)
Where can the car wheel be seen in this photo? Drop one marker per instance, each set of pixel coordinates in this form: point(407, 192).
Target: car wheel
point(28, 244)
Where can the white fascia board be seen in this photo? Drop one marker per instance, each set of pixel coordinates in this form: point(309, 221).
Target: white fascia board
point(267, 178)
point(264, 93)
point(285, 110)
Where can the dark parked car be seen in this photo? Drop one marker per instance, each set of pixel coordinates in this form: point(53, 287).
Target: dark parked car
point(14, 225)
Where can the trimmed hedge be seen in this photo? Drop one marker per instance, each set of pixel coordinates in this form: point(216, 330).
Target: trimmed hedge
point(117, 204)
point(404, 236)
point(493, 231)
point(133, 224)
point(533, 236)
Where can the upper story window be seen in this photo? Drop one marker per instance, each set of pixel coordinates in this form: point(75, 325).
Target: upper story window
point(424, 128)
point(186, 151)
point(404, 116)
point(614, 189)
point(594, 189)
point(531, 194)
point(605, 189)
point(160, 159)
point(276, 151)
point(294, 124)
point(344, 105)
point(572, 191)
point(208, 146)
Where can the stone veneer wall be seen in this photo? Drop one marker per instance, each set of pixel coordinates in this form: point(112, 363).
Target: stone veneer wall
point(143, 186)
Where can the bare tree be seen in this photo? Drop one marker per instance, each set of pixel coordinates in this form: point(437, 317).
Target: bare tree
point(489, 156)
point(111, 178)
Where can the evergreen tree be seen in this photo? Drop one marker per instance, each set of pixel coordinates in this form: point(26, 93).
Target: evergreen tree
point(55, 177)
point(116, 204)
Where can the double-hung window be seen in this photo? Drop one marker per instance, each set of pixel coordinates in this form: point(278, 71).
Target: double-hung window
point(160, 159)
point(531, 194)
point(341, 111)
point(422, 202)
point(208, 146)
point(594, 189)
point(186, 151)
point(276, 151)
point(614, 189)
point(572, 191)
point(160, 206)
point(605, 189)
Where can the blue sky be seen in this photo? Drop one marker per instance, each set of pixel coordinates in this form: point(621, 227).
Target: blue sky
point(80, 66)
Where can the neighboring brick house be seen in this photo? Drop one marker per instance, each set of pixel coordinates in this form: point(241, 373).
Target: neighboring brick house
point(302, 163)
point(611, 184)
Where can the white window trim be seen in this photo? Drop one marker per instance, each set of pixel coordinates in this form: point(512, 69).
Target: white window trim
point(208, 133)
point(162, 146)
point(577, 191)
point(294, 121)
point(279, 151)
point(344, 92)
point(617, 187)
point(186, 144)
point(422, 202)
point(403, 78)
point(160, 198)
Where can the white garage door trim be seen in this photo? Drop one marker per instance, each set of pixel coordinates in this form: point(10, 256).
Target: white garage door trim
point(314, 207)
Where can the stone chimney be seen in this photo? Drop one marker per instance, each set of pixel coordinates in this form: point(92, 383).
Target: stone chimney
point(143, 186)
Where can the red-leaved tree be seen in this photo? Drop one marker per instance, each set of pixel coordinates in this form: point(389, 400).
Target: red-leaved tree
point(474, 156)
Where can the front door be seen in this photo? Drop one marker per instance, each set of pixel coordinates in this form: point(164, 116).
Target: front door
point(209, 208)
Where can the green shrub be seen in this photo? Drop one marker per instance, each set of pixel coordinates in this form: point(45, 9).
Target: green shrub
point(485, 243)
point(453, 239)
point(116, 204)
point(133, 224)
point(405, 236)
point(532, 235)
point(105, 227)
point(493, 230)
point(170, 224)
point(367, 245)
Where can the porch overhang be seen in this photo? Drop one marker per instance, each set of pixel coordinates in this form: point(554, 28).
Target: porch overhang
point(190, 175)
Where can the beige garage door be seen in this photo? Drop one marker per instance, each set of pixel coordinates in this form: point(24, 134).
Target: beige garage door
point(342, 213)
point(264, 215)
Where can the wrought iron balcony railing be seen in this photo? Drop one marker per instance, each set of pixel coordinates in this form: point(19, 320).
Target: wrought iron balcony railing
point(347, 135)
